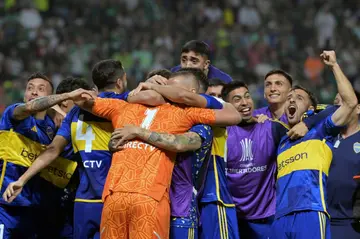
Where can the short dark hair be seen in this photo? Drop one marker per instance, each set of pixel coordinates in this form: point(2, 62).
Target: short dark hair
point(106, 72)
point(198, 74)
point(313, 99)
point(41, 76)
point(196, 46)
point(232, 86)
point(70, 83)
point(280, 72)
point(216, 82)
point(161, 72)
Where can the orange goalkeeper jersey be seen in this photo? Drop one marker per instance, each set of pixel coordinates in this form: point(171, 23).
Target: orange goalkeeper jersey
point(140, 167)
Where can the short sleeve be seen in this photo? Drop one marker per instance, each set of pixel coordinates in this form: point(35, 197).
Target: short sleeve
point(313, 120)
point(205, 132)
point(212, 102)
point(200, 116)
point(108, 108)
point(65, 128)
point(7, 121)
point(328, 128)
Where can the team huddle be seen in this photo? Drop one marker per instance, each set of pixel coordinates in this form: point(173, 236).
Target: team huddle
point(184, 155)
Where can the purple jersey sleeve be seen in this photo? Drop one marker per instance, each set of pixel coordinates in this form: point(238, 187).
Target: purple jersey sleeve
point(212, 102)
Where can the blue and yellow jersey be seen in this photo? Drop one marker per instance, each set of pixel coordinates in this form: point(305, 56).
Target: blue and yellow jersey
point(20, 144)
point(212, 182)
point(90, 136)
point(215, 188)
point(303, 168)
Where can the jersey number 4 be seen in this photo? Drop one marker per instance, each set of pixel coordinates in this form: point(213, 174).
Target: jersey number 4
point(88, 137)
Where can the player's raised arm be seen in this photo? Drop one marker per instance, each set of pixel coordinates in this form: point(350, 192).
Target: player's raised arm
point(43, 103)
point(189, 141)
point(174, 94)
point(44, 159)
point(225, 117)
point(346, 91)
point(147, 97)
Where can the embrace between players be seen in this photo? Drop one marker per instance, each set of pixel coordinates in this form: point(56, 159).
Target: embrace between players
point(130, 190)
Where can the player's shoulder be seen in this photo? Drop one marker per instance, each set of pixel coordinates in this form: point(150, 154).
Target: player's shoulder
point(114, 95)
point(278, 123)
point(217, 73)
point(10, 109)
point(175, 68)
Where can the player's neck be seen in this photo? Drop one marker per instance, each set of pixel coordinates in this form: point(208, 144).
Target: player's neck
point(277, 110)
point(40, 115)
point(351, 128)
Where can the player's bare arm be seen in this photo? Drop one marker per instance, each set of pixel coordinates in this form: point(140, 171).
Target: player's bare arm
point(45, 158)
point(345, 89)
point(174, 94)
point(43, 103)
point(189, 141)
point(147, 97)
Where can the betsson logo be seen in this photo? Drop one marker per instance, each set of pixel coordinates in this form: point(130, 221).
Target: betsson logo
point(292, 159)
point(52, 170)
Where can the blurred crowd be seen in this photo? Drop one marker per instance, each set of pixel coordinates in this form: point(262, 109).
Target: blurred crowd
point(248, 38)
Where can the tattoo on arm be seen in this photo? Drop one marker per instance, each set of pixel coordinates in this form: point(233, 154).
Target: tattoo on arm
point(38, 105)
point(172, 142)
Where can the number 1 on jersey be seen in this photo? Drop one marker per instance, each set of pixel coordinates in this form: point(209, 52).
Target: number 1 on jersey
point(150, 114)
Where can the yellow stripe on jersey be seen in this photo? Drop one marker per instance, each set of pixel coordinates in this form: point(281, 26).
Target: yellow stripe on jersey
point(321, 188)
point(307, 155)
point(280, 122)
point(88, 136)
point(23, 151)
point(219, 142)
point(219, 148)
point(88, 200)
point(2, 173)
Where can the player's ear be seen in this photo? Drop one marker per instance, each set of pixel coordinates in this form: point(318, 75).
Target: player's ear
point(358, 109)
point(311, 108)
point(207, 64)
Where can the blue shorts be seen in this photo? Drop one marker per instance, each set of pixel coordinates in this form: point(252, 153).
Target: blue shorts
point(87, 217)
point(255, 229)
point(182, 228)
point(302, 225)
point(344, 228)
point(218, 221)
point(16, 222)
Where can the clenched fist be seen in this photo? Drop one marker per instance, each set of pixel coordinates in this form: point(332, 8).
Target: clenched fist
point(329, 58)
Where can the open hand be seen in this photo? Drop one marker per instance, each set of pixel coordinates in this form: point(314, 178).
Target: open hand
point(157, 79)
point(141, 86)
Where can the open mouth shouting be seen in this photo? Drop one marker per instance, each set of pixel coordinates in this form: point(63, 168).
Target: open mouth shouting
point(292, 110)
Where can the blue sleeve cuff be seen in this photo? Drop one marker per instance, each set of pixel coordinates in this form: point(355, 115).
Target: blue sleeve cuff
point(212, 102)
point(204, 131)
